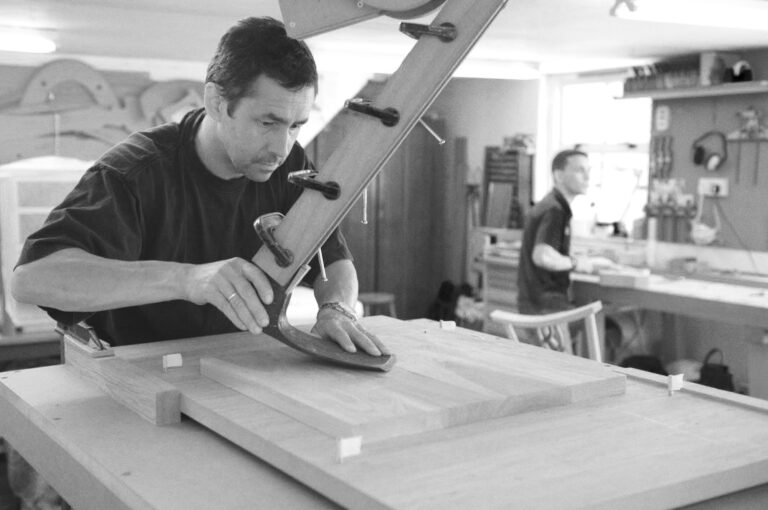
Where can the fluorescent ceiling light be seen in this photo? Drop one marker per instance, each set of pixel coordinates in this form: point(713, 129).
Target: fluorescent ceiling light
point(497, 69)
point(741, 14)
point(25, 42)
point(47, 163)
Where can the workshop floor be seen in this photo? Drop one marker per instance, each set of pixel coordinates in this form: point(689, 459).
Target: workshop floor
point(7, 500)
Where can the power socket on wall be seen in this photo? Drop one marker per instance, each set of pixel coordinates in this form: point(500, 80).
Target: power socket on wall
point(713, 186)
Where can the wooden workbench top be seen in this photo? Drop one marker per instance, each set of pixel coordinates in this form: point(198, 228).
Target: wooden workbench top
point(100, 455)
point(640, 449)
point(743, 305)
point(745, 296)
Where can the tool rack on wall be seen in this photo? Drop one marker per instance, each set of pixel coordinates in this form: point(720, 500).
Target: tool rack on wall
point(506, 187)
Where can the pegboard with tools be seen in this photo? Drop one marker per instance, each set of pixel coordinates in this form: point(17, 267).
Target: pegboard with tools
point(507, 188)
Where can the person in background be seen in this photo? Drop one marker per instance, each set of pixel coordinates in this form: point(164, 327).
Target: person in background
point(543, 277)
point(155, 241)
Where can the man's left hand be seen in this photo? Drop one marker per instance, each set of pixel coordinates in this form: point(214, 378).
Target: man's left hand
point(347, 332)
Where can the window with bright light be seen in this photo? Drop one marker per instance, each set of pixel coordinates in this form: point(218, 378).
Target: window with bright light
point(615, 134)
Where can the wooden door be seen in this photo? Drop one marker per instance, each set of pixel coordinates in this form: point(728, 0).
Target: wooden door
point(361, 238)
point(399, 249)
point(411, 258)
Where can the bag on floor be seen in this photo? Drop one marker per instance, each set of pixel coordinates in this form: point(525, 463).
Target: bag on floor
point(716, 375)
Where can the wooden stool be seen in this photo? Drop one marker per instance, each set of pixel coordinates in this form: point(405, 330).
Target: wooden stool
point(372, 300)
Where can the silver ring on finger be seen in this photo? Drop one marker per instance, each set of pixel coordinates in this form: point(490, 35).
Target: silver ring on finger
point(231, 296)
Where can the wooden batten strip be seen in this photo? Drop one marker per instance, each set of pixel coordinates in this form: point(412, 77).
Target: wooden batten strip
point(146, 394)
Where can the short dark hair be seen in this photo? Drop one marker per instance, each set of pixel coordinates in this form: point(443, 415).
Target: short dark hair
point(256, 46)
point(560, 160)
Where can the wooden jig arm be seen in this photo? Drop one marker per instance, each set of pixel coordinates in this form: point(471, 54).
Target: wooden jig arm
point(376, 131)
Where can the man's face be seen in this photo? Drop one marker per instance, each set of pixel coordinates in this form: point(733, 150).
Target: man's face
point(574, 178)
point(261, 130)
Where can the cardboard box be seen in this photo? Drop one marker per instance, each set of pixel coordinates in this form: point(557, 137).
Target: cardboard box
point(713, 66)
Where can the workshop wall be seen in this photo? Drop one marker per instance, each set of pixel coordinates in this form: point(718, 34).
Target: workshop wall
point(417, 204)
point(483, 112)
point(744, 218)
point(67, 108)
point(15, 78)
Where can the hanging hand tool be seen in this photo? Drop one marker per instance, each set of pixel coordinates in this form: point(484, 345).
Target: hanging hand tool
point(666, 155)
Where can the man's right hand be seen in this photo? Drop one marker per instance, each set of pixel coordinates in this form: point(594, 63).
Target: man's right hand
point(236, 287)
point(593, 264)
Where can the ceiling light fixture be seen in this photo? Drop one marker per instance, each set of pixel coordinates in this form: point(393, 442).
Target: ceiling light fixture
point(740, 14)
point(25, 42)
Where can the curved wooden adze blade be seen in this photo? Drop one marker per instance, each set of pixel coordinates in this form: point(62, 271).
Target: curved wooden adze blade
point(281, 330)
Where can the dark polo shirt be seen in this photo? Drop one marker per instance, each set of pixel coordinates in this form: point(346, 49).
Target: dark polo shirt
point(549, 223)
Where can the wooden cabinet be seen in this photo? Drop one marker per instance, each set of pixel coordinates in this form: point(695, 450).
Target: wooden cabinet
point(26, 197)
point(402, 247)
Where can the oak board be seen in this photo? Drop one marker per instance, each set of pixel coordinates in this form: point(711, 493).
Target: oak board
point(443, 379)
point(293, 411)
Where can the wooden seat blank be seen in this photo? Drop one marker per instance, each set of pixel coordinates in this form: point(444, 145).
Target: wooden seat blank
point(559, 320)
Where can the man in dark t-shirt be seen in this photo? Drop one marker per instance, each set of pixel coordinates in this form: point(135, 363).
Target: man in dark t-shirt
point(543, 277)
point(155, 242)
point(543, 288)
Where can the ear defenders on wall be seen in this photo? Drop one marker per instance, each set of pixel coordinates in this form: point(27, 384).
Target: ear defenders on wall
point(711, 160)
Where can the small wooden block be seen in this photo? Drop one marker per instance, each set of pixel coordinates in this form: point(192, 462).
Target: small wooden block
point(152, 398)
point(448, 325)
point(675, 382)
point(172, 361)
point(349, 447)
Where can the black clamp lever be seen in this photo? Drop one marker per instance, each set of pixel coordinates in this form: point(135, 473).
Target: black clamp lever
point(84, 337)
point(306, 179)
point(265, 226)
point(389, 116)
point(446, 32)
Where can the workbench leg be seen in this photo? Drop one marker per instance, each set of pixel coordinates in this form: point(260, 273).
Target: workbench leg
point(600, 320)
point(27, 484)
point(671, 333)
point(8, 500)
point(757, 369)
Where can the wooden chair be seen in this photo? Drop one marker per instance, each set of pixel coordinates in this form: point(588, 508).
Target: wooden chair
point(556, 324)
